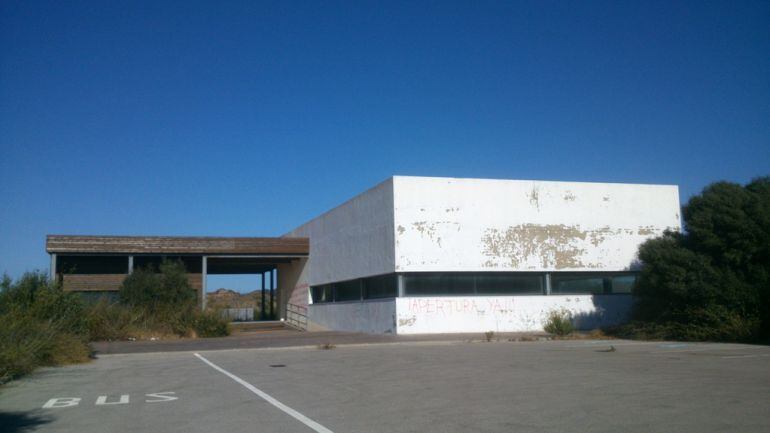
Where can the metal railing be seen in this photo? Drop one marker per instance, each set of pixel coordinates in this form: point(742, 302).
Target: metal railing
point(238, 314)
point(296, 316)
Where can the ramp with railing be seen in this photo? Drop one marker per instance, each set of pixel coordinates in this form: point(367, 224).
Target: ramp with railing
point(296, 316)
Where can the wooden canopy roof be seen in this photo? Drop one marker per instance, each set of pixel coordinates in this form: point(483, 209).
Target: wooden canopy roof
point(74, 244)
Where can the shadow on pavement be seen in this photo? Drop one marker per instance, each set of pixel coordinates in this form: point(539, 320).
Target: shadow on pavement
point(17, 422)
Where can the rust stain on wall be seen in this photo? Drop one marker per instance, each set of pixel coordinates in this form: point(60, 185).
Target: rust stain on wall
point(552, 244)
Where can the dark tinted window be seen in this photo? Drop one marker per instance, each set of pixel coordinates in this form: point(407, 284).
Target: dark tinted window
point(384, 286)
point(347, 291)
point(322, 294)
point(192, 264)
point(579, 284)
point(439, 284)
point(92, 264)
point(509, 284)
point(623, 283)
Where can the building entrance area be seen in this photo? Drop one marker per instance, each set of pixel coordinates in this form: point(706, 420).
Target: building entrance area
point(97, 265)
point(243, 288)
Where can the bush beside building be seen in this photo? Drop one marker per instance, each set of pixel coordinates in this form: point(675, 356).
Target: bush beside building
point(712, 281)
point(43, 325)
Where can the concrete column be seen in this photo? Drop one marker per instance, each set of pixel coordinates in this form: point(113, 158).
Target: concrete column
point(548, 283)
point(203, 282)
point(400, 285)
point(130, 264)
point(52, 270)
point(262, 310)
point(272, 294)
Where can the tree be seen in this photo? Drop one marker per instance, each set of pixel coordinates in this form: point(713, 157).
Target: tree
point(156, 290)
point(712, 280)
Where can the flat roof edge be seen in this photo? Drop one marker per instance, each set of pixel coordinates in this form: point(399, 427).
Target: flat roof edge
point(104, 244)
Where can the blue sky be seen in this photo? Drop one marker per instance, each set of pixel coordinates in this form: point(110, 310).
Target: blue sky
point(249, 118)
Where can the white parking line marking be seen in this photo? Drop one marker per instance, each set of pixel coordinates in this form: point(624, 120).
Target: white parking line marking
point(592, 344)
point(746, 356)
point(296, 415)
point(703, 348)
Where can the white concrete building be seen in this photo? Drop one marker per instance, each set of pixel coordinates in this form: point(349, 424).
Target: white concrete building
point(434, 255)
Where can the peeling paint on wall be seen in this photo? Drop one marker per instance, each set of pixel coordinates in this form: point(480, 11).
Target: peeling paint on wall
point(407, 322)
point(552, 244)
point(600, 235)
point(555, 246)
point(476, 225)
point(426, 229)
point(431, 230)
point(646, 231)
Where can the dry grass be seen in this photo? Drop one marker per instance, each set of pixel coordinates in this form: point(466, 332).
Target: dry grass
point(69, 349)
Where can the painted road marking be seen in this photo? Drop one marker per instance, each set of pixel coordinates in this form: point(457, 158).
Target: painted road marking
point(747, 356)
point(61, 402)
point(157, 397)
point(161, 397)
point(705, 348)
point(293, 413)
point(593, 343)
point(102, 400)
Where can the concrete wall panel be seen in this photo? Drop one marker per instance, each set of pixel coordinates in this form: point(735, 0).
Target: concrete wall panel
point(373, 317)
point(292, 285)
point(353, 240)
point(448, 224)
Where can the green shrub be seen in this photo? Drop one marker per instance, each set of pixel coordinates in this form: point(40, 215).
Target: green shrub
point(712, 324)
point(112, 321)
point(210, 324)
point(40, 324)
point(157, 291)
point(711, 282)
point(68, 349)
point(558, 322)
point(23, 344)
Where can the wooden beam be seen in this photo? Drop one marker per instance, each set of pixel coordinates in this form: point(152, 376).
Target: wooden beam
point(176, 245)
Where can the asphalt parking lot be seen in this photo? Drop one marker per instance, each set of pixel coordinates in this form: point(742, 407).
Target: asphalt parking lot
point(550, 386)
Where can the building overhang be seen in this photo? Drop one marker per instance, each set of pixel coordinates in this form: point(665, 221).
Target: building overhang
point(287, 247)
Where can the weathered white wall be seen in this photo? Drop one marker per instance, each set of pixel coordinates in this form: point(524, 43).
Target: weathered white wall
point(430, 315)
point(449, 224)
point(373, 316)
point(353, 240)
